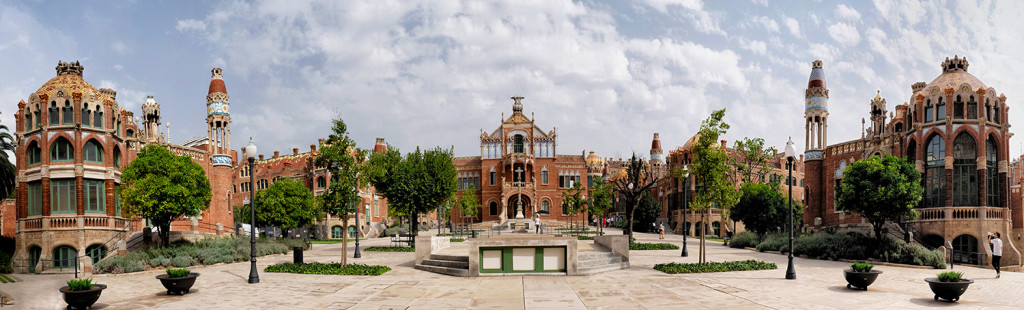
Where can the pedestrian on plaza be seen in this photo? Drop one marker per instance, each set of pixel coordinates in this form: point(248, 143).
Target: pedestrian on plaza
point(536, 221)
point(661, 231)
point(997, 250)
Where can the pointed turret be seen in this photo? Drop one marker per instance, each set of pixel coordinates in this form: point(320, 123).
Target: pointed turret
point(816, 110)
point(218, 118)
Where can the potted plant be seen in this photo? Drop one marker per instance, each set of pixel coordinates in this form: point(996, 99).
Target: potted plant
point(949, 285)
point(178, 280)
point(81, 293)
point(860, 275)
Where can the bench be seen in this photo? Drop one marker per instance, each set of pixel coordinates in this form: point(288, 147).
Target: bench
point(402, 238)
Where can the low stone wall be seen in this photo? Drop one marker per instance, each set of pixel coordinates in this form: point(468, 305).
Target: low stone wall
point(426, 245)
point(618, 244)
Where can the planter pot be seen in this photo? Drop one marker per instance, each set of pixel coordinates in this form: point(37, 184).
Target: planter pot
point(178, 285)
point(860, 280)
point(82, 299)
point(950, 291)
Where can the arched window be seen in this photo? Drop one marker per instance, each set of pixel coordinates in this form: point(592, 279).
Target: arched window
point(129, 133)
point(995, 113)
point(35, 154)
point(715, 228)
point(929, 112)
point(352, 231)
point(117, 157)
point(992, 184)
point(93, 152)
point(98, 118)
point(336, 232)
point(940, 110)
point(972, 108)
point(899, 127)
point(28, 121)
point(965, 175)
point(97, 252)
point(958, 108)
point(912, 152)
point(38, 119)
point(54, 114)
point(965, 248)
point(517, 144)
point(68, 113)
point(64, 257)
point(321, 182)
point(545, 206)
point(493, 208)
point(86, 115)
point(935, 180)
point(62, 150)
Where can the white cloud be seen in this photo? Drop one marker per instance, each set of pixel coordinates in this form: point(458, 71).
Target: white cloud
point(120, 48)
point(845, 12)
point(793, 26)
point(754, 45)
point(844, 33)
point(190, 25)
point(692, 9)
point(767, 23)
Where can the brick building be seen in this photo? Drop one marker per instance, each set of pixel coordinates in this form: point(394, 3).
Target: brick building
point(956, 132)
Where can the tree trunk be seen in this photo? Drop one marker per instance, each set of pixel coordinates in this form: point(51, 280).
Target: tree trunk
point(636, 203)
point(703, 232)
point(165, 234)
point(344, 241)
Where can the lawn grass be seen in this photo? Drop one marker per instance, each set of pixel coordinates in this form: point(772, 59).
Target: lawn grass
point(5, 278)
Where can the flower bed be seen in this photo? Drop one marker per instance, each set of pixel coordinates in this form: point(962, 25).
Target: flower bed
point(652, 246)
point(674, 268)
point(330, 268)
point(389, 249)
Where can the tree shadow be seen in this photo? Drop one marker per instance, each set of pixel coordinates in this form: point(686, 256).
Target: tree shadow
point(843, 289)
point(931, 302)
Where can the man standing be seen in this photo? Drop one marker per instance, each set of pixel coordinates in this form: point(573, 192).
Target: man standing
point(536, 222)
point(997, 250)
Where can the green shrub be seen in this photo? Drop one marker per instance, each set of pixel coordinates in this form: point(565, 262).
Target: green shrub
point(5, 263)
point(897, 251)
point(674, 268)
point(5, 279)
point(80, 284)
point(389, 249)
point(744, 239)
point(861, 267)
point(950, 276)
point(773, 242)
point(331, 268)
point(120, 264)
point(584, 238)
point(457, 240)
point(182, 261)
point(652, 246)
point(159, 262)
point(177, 273)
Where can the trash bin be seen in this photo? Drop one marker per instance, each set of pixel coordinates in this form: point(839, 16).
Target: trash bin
point(297, 254)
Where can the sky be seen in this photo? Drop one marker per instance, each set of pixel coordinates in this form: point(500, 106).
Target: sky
point(605, 74)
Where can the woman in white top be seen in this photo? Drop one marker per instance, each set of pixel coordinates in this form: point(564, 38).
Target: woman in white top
point(997, 250)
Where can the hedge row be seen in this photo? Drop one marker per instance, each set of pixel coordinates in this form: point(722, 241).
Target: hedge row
point(184, 254)
point(330, 268)
point(652, 246)
point(831, 244)
point(389, 249)
point(674, 268)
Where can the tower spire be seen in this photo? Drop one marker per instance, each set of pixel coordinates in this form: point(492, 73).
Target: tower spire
point(218, 119)
point(816, 110)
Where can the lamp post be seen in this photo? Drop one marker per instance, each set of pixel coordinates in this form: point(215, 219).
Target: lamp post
point(250, 154)
point(356, 254)
point(790, 272)
point(686, 208)
point(636, 201)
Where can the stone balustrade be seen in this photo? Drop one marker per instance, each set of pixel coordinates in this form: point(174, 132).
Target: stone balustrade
point(959, 213)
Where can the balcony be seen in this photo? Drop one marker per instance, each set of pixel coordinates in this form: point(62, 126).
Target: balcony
point(959, 213)
point(75, 222)
point(524, 185)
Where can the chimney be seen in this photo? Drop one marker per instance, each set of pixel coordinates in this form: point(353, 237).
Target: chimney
point(723, 143)
point(312, 147)
point(295, 151)
point(801, 157)
point(261, 156)
point(277, 153)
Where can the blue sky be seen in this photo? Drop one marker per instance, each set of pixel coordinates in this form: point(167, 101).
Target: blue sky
point(606, 74)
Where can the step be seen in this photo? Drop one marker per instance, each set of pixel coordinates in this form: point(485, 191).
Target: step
point(602, 268)
point(446, 263)
point(599, 262)
point(444, 270)
point(595, 255)
point(454, 258)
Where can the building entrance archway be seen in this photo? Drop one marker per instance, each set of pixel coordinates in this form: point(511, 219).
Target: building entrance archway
point(513, 201)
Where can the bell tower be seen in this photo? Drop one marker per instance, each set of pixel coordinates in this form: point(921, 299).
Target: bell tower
point(816, 110)
point(218, 119)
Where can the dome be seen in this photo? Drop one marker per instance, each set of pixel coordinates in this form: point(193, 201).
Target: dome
point(593, 159)
point(817, 78)
point(953, 79)
point(69, 79)
point(217, 86)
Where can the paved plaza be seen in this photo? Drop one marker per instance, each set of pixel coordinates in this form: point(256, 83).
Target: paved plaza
point(819, 285)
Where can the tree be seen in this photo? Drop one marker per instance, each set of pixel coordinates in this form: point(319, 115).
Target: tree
point(573, 201)
point(600, 200)
point(162, 187)
point(641, 179)
point(339, 155)
point(415, 183)
point(7, 169)
point(711, 171)
point(287, 204)
point(763, 208)
point(467, 204)
point(752, 158)
point(648, 211)
point(880, 190)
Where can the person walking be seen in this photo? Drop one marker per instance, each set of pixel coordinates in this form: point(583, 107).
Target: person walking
point(661, 231)
point(997, 250)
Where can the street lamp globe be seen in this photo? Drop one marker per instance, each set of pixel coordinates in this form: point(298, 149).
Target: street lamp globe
point(790, 152)
point(630, 186)
point(250, 150)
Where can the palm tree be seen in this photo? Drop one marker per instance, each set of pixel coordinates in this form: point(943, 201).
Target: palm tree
point(7, 169)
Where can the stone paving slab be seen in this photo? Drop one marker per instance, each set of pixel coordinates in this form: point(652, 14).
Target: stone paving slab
point(819, 285)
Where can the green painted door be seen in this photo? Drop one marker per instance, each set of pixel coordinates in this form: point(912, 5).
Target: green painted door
point(33, 258)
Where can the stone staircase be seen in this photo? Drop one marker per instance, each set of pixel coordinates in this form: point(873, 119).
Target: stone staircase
point(598, 262)
point(452, 265)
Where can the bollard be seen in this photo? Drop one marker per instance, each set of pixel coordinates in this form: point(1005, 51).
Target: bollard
point(474, 232)
point(297, 254)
